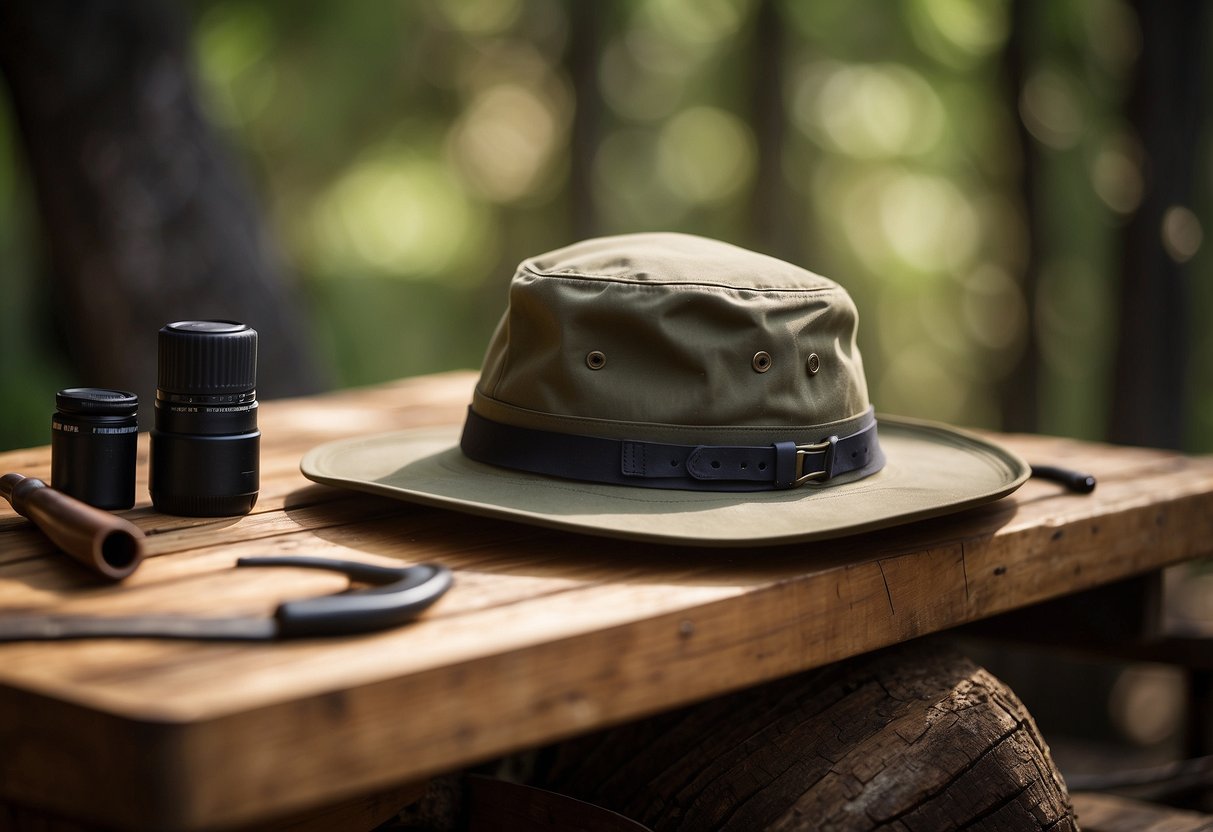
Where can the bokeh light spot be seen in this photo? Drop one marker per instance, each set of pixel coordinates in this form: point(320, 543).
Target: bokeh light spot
point(1113, 33)
point(505, 141)
point(1050, 109)
point(1146, 703)
point(868, 111)
point(1181, 233)
point(480, 17)
point(700, 22)
point(705, 155)
point(928, 222)
point(396, 214)
point(957, 32)
point(1116, 175)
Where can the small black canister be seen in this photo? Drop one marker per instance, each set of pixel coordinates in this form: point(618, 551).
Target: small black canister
point(94, 439)
point(205, 444)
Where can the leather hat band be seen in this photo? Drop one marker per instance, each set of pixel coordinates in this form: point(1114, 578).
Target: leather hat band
point(780, 465)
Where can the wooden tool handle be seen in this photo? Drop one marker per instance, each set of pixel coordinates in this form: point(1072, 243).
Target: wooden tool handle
point(106, 544)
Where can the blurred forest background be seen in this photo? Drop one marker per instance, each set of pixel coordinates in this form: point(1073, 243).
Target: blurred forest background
point(1014, 192)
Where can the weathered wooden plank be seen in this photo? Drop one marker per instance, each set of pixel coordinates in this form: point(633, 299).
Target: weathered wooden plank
point(1110, 813)
point(943, 597)
point(546, 634)
point(920, 590)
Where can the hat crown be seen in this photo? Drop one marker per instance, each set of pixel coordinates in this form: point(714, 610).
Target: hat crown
point(668, 331)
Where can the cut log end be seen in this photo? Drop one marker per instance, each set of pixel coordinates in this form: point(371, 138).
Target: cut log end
point(915, 738)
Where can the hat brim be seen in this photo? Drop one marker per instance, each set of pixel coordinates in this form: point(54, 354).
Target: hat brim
point(931, 470)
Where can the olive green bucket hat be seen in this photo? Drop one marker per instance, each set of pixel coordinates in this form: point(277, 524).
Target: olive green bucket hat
point(670, 388)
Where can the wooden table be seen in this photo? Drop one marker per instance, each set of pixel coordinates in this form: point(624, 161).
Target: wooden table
point(545, 635)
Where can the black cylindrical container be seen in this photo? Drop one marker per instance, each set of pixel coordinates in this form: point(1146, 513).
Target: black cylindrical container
point(205, 444)
point(94, 438)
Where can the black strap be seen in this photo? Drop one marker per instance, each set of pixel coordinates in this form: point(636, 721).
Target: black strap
point(665, 465)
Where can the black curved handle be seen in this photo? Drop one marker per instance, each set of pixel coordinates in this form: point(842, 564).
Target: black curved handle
point(1076, 481)
point(399, 594)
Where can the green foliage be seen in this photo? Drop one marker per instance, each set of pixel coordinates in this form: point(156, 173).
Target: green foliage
point(410, 154)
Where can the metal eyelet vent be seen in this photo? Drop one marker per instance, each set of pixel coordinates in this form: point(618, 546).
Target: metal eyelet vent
point(761, 362)
point(813, 364)
point(595, 360)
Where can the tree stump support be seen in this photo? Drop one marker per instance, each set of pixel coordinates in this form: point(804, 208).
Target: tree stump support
point(913, 738)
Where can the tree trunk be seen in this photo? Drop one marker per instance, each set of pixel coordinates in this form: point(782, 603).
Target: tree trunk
point(909, 739)
point(584, 50)
point(775, 225)
point(144, 217)
point(1168, 110)
point(1020, 390)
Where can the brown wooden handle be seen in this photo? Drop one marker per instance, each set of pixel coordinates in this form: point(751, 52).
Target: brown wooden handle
point(106, 544)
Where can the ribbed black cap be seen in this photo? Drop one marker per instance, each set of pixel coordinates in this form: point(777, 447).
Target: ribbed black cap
point(99, 400)
point(207, 357)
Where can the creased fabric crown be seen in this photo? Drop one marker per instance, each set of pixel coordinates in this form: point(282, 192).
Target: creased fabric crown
point(673, 337)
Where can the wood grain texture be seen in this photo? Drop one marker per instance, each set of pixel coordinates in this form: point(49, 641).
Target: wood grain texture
point(545, 635)
point(912, 738)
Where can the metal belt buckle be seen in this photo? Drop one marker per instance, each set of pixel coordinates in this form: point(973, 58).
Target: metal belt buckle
point(827, 446)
